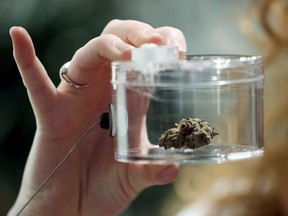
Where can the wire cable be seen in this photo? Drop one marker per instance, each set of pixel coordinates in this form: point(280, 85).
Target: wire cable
point(58, 166)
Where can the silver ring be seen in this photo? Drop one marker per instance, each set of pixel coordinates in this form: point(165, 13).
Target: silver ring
point(64, 76)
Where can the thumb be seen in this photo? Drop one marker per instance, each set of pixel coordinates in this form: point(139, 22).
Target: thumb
point(149, 175)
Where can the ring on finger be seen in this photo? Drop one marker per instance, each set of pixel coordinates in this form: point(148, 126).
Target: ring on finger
point(64, 76)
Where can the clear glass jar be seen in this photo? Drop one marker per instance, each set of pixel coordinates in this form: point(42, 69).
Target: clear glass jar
point(224, 90)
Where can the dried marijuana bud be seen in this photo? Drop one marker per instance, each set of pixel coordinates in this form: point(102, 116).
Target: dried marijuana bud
point(188, 133)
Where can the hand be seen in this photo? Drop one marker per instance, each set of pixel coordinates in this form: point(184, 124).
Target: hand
point(90, 182)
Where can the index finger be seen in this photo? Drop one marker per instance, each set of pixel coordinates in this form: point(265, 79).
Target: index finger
point(134, 32)
point(115, 42)
point(94, 55)
point(121, 33)
point(137, 33)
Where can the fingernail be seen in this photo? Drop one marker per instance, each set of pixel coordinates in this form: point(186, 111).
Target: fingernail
point(152, 33)
point(180, 43)
point(121, 46)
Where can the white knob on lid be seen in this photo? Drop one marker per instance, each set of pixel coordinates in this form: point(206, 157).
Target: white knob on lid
point(152, 53)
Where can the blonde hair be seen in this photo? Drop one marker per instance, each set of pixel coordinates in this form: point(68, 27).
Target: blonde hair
point(267, 190)
point(266, 27)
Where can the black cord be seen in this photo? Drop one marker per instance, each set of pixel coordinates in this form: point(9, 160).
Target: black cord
point(101, 122)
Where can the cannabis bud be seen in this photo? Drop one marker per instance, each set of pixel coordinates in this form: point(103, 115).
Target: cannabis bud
point(188, 133)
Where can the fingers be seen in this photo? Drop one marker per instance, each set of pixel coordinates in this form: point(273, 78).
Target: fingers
point(159, 175)
point(133, 32)
point(116, 42)
point(94, 54)
point(137, 33)
point(38, 84)
point(175, 37)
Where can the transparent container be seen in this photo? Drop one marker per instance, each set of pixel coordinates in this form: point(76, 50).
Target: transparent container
point(224, 90)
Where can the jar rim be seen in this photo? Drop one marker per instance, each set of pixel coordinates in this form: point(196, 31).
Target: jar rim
point(195, 70)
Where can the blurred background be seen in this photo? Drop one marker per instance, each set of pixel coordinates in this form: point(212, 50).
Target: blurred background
point(59, 28)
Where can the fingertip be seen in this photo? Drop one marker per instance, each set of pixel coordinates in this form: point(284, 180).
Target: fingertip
point(13, 29)
point(161, 174)
point(19, 36)
point(122, 47)
point(16, 30)
point(179, 42)
point(167, 174)
point(143, 36)
point(174, 37)
point(152, 36)
point(127, 55)
point(23, 48)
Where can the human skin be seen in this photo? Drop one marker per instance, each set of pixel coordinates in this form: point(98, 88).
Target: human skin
point(90, 182)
